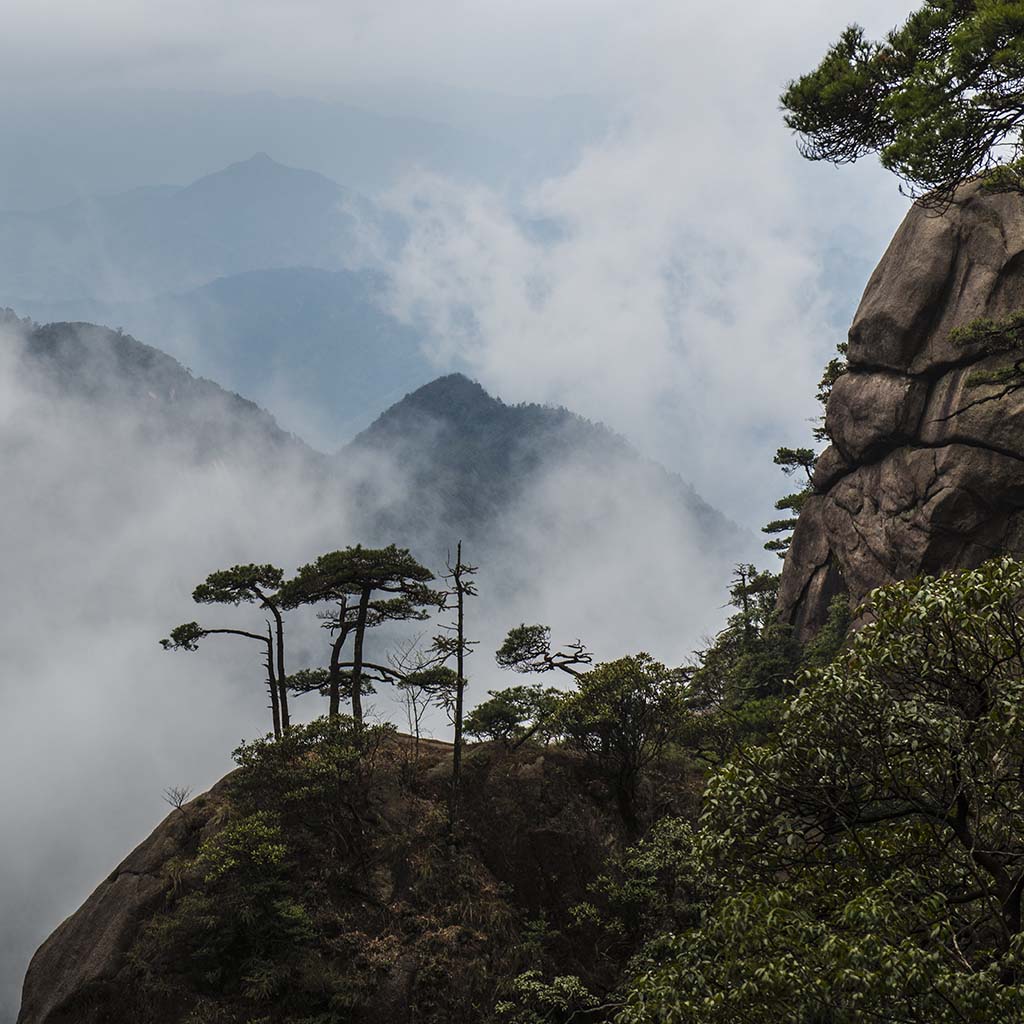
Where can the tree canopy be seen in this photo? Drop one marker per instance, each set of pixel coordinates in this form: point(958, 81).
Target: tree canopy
point(939, 99)
point(369, 586)
point(528, 649)
point(869, 863)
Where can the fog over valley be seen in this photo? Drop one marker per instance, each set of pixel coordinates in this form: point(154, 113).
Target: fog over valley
point(282, 280)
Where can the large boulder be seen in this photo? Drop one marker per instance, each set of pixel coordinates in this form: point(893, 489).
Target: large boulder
point(921, 476)
point(75, 971)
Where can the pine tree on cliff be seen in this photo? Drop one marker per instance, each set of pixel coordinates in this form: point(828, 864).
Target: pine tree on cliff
point(368, 586)
point(340, 578)
point(186, 637)
point(252, 584)
point(940, 100)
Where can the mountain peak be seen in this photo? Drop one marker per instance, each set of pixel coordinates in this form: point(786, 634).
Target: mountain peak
point(452, 401)
point(259, 176)
point(453, 388)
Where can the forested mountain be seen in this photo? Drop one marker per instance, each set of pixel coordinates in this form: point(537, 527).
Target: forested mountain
point(468, 460)
point(144, 389)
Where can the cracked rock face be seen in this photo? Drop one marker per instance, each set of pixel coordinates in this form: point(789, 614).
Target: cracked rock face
point(920, 477)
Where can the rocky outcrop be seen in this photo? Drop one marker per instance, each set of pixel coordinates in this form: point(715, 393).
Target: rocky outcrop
point(920, 477)
point(404, 925)
point(82, 963)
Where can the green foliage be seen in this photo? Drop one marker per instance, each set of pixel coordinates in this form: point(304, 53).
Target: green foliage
point(535, 1001)
point(791, 460)
point(528, 649)
point(647, 891)
point(248, 847)
point(515, 712)
point(868, 864)
point(311, 773)
point(940, 100)
point(625, 714)
point(339, 575)
point(240, 583)
point(987, 337)
point(185, 637)
point(241, 928)
point(754, 657)
point(236, 919)
point(826, 644)
point(525, 649)
point(318, 680)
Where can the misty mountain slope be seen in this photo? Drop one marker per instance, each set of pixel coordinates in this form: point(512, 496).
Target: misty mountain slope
point(317, 346)
point(480, 468)
point(252, 215)
point(137, 479)
point(113, 374)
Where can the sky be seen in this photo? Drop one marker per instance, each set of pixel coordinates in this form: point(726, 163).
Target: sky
point(692, 277)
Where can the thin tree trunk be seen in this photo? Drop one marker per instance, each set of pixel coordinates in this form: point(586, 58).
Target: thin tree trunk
point(334, 677)
point(275, 709)
point(282, 679)
point(357, 656)
point(460, 685)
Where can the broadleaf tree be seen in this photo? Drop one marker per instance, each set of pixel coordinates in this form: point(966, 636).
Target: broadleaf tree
point(868, 863)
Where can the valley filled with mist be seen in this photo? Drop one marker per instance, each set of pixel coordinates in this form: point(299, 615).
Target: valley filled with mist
point(278, 285)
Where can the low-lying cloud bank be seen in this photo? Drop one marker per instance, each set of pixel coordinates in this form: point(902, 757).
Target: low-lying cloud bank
point(112, 515)
point(689, 278)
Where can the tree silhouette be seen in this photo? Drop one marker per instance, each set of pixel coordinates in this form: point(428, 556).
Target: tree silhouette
point(528, 649)
point(452, 643)
point(252, 584)
point(186, 637)
point(368, 586)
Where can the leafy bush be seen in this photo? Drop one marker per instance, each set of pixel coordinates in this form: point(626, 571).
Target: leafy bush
point(514, 713)
point(625, 714)
point(869, 865)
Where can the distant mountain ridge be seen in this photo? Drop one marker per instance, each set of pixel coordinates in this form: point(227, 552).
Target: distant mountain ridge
point(254, 214)
point(316, 345)
point(447, 460)
point(114, 374)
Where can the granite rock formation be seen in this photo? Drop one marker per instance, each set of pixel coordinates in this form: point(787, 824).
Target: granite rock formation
point(81, 966)
point(920, 477)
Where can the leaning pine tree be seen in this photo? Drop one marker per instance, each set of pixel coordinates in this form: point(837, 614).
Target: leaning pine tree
point(940, 99)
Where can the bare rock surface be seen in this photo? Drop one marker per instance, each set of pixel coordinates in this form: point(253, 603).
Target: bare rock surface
point(79, 964)
point(921, 476)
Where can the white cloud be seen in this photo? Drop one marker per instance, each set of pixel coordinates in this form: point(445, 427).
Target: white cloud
point(688, 298)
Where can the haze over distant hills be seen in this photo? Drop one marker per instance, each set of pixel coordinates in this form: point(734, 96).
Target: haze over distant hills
point(252, 215)
point(145, 478)
point(241, 275)
point(315, 345)
point(62, 147)
point(470, 460)
point(446, 460)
